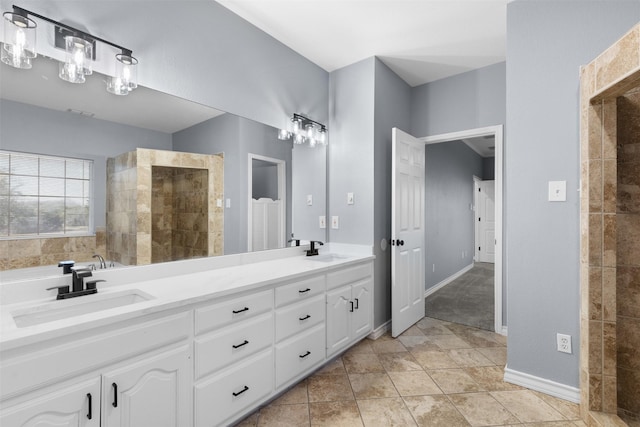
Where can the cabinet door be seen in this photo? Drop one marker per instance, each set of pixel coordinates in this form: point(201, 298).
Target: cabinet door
point(150, 392)
point(338, 319)
point(77, 405)
point(362, 297)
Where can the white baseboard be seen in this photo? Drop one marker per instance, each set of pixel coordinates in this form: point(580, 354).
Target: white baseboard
point(572, 394)
point(448, 280)
point(503, 331)
point(380, 330)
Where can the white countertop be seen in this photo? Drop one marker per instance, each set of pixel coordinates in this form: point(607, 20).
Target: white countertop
point(166, 291)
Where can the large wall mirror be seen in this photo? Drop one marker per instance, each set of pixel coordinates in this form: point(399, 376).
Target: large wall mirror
point(42, 114)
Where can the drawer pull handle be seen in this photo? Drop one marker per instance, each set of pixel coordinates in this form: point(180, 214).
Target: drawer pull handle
point(89, 414)
point(302, 356)
point(305, 317)
point(351, 302)
point(236, 394)
point(241, 344)
point(240, 311)
point(304, 291)
point(357, 303)
point(115, 395)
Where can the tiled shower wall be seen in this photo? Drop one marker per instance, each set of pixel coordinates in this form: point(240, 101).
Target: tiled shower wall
point(628, 253)
point(179, 213)
point(122, 187)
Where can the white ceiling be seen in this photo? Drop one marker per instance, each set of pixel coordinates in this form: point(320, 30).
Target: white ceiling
point(420, 40)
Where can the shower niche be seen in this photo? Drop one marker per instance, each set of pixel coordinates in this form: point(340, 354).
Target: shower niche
point(164, 206)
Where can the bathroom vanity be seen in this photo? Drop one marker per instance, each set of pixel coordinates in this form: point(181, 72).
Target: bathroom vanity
point(199, 342)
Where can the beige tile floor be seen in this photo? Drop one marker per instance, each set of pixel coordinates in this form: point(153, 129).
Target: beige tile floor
point(435, 374)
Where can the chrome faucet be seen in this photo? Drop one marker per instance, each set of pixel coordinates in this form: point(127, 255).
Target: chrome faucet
point(103, 264)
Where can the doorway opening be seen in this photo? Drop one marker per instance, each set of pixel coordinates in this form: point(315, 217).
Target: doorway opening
point(480, 266)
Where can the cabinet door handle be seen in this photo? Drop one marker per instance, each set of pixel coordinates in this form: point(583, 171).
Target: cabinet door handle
point(351, 302)
point(115, 394)
point(303, 291)
point(241, 344)
point(305, 317)
point(302, 356)
point(89, 414)
point(357, 303)
point(240, 311)
point(236, 394)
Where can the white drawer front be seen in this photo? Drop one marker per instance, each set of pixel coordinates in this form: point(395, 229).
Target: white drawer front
point(299, 316)
point(232, 311)
point(219, 398)
point(299, 291)
point(214, 351)
point(299, 354)
point(348, 275)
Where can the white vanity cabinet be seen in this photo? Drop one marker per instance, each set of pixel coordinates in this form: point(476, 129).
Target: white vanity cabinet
point(349, 306)
point(234, 366)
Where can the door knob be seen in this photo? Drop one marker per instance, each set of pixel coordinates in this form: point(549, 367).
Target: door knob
point(400, 242)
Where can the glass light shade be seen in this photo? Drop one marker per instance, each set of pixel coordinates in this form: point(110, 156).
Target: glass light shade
point(298, 138)
point(77, 64)
point(283, 134)
point(126, 78)
point(297, 124)
point(322, 136)
point(19, 46)
point(311, 133)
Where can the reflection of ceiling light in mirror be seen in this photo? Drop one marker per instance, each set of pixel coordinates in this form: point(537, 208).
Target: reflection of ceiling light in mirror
point(305, 130)
point(125, 79)
point(78, 60)
point(19, 46)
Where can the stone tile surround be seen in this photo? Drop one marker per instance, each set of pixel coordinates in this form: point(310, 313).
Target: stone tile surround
point(610, 233)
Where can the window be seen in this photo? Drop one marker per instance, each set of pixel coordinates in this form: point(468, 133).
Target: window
point(44, 195)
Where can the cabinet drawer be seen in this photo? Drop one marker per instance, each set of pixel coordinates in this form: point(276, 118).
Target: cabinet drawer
point(299, 316)
point(220, 349)
point(232, 311)
point(220, 397)
point(299, 354)
point(348, 275)
point(299, 291)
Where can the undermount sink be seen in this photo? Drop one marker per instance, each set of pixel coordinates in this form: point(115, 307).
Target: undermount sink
point(327, 257)
point(64, 309)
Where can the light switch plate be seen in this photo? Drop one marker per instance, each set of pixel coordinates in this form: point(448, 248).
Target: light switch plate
point(323, 221)
point(557, 191)
point(335, 222)
point(349, 198)
point(309, 200)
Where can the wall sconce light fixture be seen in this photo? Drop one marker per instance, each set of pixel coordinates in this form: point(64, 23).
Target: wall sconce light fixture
point(19, 48)
point(303, 129)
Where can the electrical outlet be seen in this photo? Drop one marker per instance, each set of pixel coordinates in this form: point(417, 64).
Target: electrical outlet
point(564, 343)
point(334, 222)
point(323, 221)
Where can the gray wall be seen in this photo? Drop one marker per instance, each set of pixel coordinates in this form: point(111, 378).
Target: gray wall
point(39, 130)
point(546, 44)
point(236, 137)
point(213, 56)
point(310, 178)
point(488, 168)
point(449, 221)
point(392, 100)
point(466, 101)
point(264, 180)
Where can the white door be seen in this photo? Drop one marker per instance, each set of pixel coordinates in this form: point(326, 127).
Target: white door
point(486, 222)
point(407, 231)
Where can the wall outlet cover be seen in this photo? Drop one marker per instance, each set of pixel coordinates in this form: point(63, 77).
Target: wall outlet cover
point(349, 198)
point(335, 224)
point(563, 343)
point(322, 221)
point(557, 191)
point(309, 200)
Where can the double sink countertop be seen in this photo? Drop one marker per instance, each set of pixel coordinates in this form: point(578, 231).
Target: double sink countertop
point(29, 314)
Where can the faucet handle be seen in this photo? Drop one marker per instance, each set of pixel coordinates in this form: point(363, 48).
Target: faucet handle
point(66, 266)
point(62, 289)
point(91, 284)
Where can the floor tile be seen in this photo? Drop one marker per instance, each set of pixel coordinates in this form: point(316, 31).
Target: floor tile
point(363, 346)
point(335, 414)
point(447, 342)
point(526, 406)
point(296, 394)
point(249, 421)
point(467, 357)
point(361, 363)
point(414, 383)
point(325, 388)
point(435, 411)
point(385, 413)
point(454, 381)
point(418, 343)
point(434, 359)
point(335, 367)
point(412, 331)
point(481, 409)
point(491, 378)
point(397, 362)
point(569, 410)
point(387, 346)
point(372, 386)
point(498, 355)
point(431, 326)
point(284, 415)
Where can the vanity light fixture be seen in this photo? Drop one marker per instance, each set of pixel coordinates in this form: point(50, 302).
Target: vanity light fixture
point(19, 44)
point(303, 129)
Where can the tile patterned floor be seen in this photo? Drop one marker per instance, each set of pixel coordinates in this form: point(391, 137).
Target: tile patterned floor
point(435, 374)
